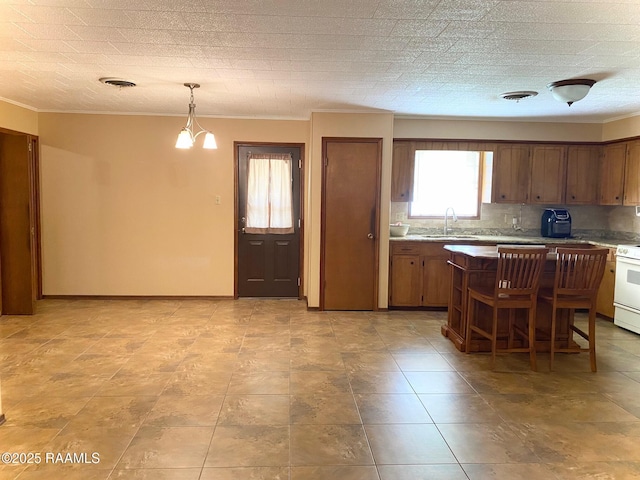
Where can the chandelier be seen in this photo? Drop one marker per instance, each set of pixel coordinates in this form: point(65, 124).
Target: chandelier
point(187, 137)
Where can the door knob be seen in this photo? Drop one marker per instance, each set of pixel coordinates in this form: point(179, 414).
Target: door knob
point(370, 236)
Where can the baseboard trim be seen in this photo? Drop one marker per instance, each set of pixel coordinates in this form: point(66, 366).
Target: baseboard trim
point(138, 297)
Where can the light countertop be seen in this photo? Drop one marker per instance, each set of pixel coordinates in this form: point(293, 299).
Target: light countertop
point(509, 239)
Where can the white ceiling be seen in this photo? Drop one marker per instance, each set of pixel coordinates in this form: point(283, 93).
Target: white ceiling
point(287, 58)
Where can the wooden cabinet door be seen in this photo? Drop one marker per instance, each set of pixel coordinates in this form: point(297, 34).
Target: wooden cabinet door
point(402, 172)
point(435, 281)
point(406, 276)
point(612, 174)
point(511, 171)
point(604, 302)
point(583, 167)
point(632, 174)
point(548, 167)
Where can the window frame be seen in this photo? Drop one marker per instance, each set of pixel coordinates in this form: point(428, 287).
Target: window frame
point(481, 171)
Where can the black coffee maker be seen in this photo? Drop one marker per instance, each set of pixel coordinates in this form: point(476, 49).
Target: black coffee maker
point(556, 222)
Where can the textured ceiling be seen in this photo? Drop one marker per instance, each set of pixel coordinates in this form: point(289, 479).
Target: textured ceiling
point(287, 58)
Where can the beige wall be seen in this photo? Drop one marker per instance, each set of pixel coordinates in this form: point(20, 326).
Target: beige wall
point(20, 119)
point(348, 125)
point(623, 128)
point(497, 130)
point(125, 213)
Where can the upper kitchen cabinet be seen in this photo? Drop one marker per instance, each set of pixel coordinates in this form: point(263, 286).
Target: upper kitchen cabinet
point(548, 170)
point(402, 171)
point(632, 174)
point(612, 174)
point(583, 164)
point(511, 172)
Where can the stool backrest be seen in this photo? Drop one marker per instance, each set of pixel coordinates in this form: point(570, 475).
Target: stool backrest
point(579, 271)
point(519, 270)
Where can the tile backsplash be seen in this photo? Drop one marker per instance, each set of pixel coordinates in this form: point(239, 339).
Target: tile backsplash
point(587, 220)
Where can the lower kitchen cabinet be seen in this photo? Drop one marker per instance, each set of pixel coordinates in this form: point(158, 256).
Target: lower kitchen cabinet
point(419, 274)
point(406, 281)
point(604, 302)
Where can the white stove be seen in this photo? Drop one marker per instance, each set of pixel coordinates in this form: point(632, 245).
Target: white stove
point(627, 291)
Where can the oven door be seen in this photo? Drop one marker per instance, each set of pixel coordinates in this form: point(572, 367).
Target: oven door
point(627, 289)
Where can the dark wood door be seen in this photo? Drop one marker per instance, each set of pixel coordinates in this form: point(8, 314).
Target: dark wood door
point(350, 223)
point(268, 263)
point(18, 265)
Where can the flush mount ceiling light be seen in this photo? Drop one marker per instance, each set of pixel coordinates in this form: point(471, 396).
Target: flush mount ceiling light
point(187, 137)
point(517, 96)
point(570, 91)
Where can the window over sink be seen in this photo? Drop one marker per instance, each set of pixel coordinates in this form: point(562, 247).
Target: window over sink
point(449, 178)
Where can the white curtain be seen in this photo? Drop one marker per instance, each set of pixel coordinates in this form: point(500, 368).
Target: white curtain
point(269, 194)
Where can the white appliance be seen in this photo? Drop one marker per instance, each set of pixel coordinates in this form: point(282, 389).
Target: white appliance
point(626, 298)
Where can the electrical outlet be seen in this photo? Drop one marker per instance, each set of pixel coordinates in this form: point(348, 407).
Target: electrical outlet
point(506, 218)
point(399, 217)
point(218, 201)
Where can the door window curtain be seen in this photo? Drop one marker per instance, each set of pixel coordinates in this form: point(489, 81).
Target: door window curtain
point(269, 194)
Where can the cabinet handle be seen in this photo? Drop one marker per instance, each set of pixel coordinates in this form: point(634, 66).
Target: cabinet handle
point(573, 197)
point(503, 196)
point(538, 197)
point(612, 271)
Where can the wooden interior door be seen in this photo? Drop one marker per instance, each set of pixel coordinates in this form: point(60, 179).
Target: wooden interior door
point(350, 223)
point(18, 230)
point(267, 264)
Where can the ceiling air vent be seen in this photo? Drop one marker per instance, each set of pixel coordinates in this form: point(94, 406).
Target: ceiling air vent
point(117, 82)
point(517, 96)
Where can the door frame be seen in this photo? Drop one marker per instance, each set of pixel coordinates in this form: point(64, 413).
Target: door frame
point(236, 226)
point(323, 214)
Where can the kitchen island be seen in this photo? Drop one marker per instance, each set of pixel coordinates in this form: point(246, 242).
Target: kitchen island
point(419, 275)
point(475, 265)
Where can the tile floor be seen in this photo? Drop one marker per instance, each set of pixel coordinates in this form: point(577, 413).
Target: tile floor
point(264, 389)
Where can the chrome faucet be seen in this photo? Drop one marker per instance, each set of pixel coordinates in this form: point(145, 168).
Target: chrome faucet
point(446, 219)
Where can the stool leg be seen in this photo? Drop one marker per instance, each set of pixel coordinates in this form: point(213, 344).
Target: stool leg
point(532, 337)
point(552, 349)
point(592, 338)
point(494, 338)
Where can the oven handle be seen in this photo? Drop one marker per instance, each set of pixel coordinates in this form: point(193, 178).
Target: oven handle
point(626, 307)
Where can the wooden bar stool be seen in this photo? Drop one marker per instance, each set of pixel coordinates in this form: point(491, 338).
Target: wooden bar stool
point(516, 287)
point(578, 275)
